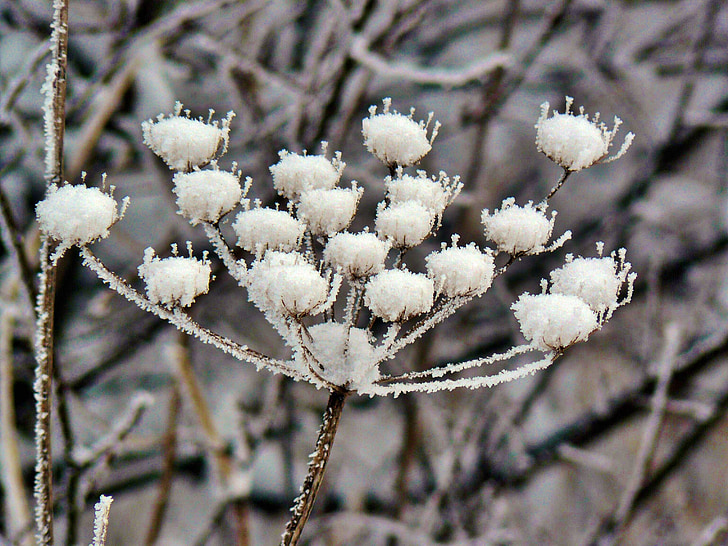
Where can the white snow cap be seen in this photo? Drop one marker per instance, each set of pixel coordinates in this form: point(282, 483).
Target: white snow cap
point(345, 354)
point(184, 143)
point(356, 254)
point(554, 321)
point(295, 174)
point(262, 229)
point(76, 215)
point(205, 196)
point(595, 280)
point(433, 193)
point(517, 229)
point(405, 224)
point(328, 211)
point(397, 295)
point(284, 283)
point(396, 139)
point(574, 141)
point(460, 271)
point(174, 280)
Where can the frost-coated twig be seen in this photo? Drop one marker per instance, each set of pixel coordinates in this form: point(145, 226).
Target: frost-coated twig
point(101, 520)
point(316, 467)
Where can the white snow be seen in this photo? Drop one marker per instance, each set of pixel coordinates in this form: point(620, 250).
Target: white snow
point(460, 271)
point(435, 194)
point(405, 224)
point(573, 141)
point(396, 295)
point(328, 211)
point(174, 280)
point(595, 280)
point(396, 139)
point(356, 254)
point(554, 321)
point(517, 229)
point(101, 519)
point(205, 196)
point(262, 229)
point(295, 173)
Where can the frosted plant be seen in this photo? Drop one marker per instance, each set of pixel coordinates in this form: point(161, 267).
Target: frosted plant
point(324, 289)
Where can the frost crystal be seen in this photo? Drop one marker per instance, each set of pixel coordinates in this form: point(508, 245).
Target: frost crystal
point(517, 229)
point(395, 139)
point(460, 271)
point(328, 211)
point(435, 194)
point(595, 280)
point(405, 224)
point(295, 174)
point(356, 254)
point(76, 215)
point(184, 143)
point(205, 196)
point(264, 229)
point(396, 295)
point(574, 141)
point(554, 321)
point(174, 280)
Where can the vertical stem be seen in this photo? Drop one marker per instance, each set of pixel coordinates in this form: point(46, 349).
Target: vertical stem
point(316, 467)
point(557, 187)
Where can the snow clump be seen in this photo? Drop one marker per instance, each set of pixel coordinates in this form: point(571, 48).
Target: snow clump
point(185, 143)
point(262, 229)
point(295, 174)
point(517, 229)
point(434, 193)
point(395, 139)
point(405, 224)
point(76, 215)
point(356, 254)
point(396, 295)
point(460, 271)
point(205, 196)
point(554, 321)
point(174, 280)
point(574, 141)
point(328, 211)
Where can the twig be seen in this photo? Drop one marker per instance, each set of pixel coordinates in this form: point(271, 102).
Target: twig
point(101, 520)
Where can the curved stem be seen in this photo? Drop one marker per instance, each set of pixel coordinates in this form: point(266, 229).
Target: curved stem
point(303, 505)
point(558, 185)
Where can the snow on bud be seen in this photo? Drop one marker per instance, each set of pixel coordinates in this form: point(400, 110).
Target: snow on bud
point(405, 224)
point(356, 254)
point(574, 141)
point(346, 354)
point(185, 143)
point(295, 174)
point(460, 271)
point(595, 280)
point(175, 280)
point(554, 321)
point(328, 211)
point(76, 215)
point(434, 193)
point(396, 295)
point(395, 139)
point(517, 229)
point(262, 229)
point(286, 284)
point(205, 196)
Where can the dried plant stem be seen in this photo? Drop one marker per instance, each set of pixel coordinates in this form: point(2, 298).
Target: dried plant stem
point(316, 467)
point(557, 187)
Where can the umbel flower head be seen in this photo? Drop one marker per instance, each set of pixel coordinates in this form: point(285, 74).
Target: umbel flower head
point(574, 141)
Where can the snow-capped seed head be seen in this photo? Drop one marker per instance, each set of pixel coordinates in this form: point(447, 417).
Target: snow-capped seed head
point(405, 224)
point(346, 355)
point(574, 141)
point(517, 229)
point(396, 295)
point(175, 280)
point(460, 271)
point(328, 211)
point(554, 321)
point(395, 139)
point(205, 196)
point(295, 174)
point(262, 229)
point(76, 215)
point(595, 280)
point(356, 254)
point(284, 283)
point(185, 143)
point(433, 193)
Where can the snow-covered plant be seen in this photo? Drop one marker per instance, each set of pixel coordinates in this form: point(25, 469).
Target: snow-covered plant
point(347, 302)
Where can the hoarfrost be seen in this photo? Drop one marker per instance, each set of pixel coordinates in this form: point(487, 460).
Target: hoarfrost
point(460, 271)
point(356, 254)
point(263, 229)
point(396, 295)
point(205, 196)
point(517, 229)
point(328, 211)
point(174, 280)
point(405, 224)
point(295, 174)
